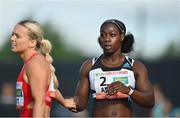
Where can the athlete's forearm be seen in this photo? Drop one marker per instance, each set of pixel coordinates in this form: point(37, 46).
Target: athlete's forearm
point(59, 98)
point(145, 99)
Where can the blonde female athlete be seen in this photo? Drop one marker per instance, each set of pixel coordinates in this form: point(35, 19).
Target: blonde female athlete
point(33, 83)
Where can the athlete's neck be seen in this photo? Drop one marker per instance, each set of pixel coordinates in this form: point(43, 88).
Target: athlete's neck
point(113, 60)
point(113, 56)
point(26, 55)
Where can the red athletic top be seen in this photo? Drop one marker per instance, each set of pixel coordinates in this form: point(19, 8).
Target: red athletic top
point(23, 94)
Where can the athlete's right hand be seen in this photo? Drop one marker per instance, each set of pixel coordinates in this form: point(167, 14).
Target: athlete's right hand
point(69, 103)
point(73, 107)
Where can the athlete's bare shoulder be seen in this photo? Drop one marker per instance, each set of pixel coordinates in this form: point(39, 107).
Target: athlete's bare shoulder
point(87, 63)
point(86, 66)
point(38, 62)
point(140, 69)
point(139, 66)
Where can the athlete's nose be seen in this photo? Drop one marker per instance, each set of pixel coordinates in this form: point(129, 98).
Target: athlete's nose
point(12, 38)
point(107, 39)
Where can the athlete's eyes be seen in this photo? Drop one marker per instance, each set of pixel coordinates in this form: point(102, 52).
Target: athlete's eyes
point(12, 34)
point(102, 35)
point(113, 35)
point(15, 34)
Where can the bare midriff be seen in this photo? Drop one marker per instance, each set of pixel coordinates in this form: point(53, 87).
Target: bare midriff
point(112, 108)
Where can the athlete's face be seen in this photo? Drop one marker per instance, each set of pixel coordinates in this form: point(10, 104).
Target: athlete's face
point(110, 38)
point(20, 40)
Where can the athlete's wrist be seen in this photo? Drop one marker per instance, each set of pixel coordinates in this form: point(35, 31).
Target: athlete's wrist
point(131, 90)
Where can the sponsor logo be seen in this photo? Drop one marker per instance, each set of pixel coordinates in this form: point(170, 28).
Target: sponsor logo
point(126, 65)
point(124, 80)
point(110, 73)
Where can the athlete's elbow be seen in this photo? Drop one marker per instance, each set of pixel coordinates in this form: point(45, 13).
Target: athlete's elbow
point(147, 104)
point(150, 103)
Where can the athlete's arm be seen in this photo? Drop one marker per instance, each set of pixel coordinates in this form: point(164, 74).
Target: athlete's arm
point(56, 95)
point(143, 95)
point(82, 90)
point(37, 74)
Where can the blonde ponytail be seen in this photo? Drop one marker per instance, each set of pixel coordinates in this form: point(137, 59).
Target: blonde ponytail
point(45, 46)
point(45, 49)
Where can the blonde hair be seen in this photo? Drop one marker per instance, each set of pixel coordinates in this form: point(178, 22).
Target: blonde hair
point(44, 46)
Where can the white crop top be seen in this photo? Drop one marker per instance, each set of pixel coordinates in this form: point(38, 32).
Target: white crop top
point(100, 76)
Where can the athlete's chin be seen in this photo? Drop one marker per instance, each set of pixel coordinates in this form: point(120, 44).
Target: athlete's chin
point(13, 50)
point(108, 51)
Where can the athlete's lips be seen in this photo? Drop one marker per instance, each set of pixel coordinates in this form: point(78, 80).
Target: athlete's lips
point(13, 45)
point(107, 46)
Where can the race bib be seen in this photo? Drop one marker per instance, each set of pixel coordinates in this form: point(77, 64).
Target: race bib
point(104, 78)
point(19, 94)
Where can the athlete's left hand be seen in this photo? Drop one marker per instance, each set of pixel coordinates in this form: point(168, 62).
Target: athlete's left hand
point(116, 87)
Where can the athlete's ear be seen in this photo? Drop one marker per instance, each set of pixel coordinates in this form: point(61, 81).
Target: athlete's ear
point(32, 43)
point(99, 41)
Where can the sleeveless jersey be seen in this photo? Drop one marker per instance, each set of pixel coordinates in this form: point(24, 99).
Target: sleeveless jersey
point(24, 96)
point(100, 76)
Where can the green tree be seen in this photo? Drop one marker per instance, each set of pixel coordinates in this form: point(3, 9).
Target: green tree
point(172, 51)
